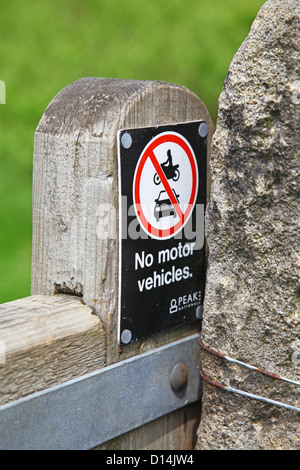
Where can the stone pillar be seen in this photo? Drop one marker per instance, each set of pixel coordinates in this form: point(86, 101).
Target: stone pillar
point(251, 310)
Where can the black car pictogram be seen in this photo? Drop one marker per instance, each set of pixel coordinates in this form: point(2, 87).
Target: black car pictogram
point(163, 206)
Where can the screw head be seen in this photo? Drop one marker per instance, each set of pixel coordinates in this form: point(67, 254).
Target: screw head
point(126, 336)
point(179, 377)
point(126, 140)
point(203, 129)
point(199, 312)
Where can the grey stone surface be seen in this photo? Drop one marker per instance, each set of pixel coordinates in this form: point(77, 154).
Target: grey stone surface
point(251, 310)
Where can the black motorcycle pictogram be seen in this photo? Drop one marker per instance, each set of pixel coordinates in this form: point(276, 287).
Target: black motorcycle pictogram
point(171, 171)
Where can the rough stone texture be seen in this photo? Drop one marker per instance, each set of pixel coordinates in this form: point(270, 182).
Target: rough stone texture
point(252, 299)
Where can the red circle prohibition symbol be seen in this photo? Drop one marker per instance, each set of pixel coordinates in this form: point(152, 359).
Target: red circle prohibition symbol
point(182, 215)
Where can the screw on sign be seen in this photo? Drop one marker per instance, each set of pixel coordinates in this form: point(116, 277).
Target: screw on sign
point(165, 185)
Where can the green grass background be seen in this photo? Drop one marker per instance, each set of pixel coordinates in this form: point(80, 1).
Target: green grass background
point(45, 45)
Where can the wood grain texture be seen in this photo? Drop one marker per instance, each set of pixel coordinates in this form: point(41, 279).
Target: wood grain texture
point(75, 171)
point(176, 431)
point(48, 341)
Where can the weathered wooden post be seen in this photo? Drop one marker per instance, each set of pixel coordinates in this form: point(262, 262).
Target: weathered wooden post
point(76, 172)
point(76, 238)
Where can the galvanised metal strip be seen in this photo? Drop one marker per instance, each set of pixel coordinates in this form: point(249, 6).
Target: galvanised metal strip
point(87, 411)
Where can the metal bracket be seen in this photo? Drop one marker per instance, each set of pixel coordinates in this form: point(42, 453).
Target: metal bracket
point(87, 411)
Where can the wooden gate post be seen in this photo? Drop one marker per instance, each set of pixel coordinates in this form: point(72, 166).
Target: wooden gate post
point(76, 176)
point(76, 172)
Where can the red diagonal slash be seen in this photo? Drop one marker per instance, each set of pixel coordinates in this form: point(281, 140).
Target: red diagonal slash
point(166, 185)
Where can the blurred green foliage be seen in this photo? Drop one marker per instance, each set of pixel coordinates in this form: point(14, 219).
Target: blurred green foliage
point(46, 45)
